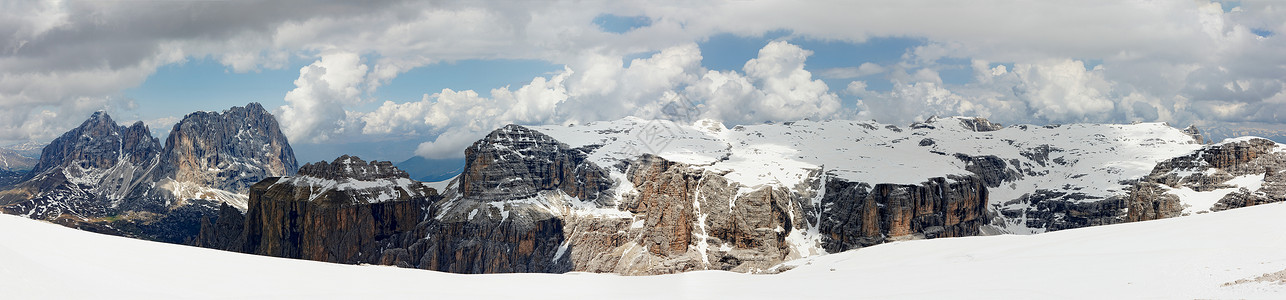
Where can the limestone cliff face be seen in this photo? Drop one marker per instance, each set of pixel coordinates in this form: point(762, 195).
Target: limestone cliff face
point(333, 212)
point(1223, 176)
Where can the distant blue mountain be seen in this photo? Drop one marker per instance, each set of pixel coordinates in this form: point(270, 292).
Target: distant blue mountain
point(431, 170)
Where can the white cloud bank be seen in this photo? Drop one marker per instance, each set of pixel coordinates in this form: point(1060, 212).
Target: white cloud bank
point(772, 86)
point(1098, 61)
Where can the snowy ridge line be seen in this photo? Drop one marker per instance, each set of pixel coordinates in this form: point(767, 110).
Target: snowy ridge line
point(866, 151)
point(1080, 162)
point(370, 191)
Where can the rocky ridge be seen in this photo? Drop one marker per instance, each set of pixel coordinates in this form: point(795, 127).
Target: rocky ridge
point(1231, 174)
point(13, 167)
point(218, 156)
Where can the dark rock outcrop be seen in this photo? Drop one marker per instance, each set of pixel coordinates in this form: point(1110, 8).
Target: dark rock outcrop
point(9, 178)
point(223, 230)
point(992, 169)
point(980, 124)
point(98, 143)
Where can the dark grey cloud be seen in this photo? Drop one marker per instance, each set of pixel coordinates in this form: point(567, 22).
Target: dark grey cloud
point(117, 34)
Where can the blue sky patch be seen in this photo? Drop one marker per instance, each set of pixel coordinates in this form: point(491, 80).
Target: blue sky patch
point(620, 24)
point(478, 75)
point(205, 84)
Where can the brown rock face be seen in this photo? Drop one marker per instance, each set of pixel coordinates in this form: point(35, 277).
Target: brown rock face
point(861, 215)
point(329, 228)
point(665, 200)
point(1148, 201)
point(222, 231)
point(326, 213)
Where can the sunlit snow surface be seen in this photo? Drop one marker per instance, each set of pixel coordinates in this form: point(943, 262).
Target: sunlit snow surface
point(1189, 257)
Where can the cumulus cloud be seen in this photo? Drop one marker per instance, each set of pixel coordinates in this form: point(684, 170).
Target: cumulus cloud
point(775, 86)
point(316, 107)
point(1063, 91)
point(1047, 91)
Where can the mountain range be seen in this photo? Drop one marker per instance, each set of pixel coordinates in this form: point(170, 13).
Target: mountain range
point(639, 197)
point(109, 178)
point(635, 196)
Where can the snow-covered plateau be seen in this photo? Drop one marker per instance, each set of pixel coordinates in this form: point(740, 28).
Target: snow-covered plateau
point(1229, 254)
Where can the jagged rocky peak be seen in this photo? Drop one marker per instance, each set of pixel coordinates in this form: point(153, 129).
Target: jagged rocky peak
point(354, 168)
point(976, 124)
point(1196, 134)
point(86, 173)
point(228, 150)
point(517, 162)
point(99, 143)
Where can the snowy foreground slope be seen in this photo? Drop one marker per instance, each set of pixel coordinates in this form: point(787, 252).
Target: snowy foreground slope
point(1189, 257)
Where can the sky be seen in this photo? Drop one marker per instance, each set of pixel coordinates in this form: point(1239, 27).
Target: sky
point(389, 80)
